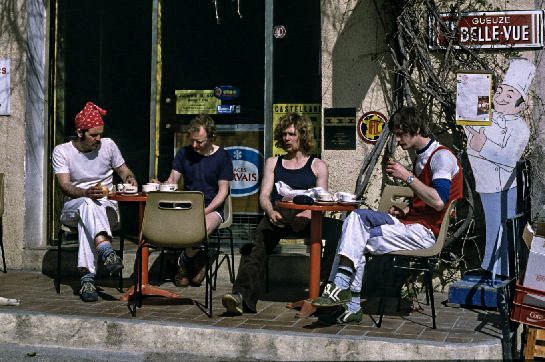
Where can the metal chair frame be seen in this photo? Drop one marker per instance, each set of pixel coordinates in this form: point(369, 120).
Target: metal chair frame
point(1, 221)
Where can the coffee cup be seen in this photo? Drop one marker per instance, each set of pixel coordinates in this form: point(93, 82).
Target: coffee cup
point(168, 187)
point(345, 197)
point(129, 189)
point(148, 188)
point(154, 185)
point(325, 196)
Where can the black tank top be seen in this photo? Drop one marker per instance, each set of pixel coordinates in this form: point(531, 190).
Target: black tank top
point(299, 179)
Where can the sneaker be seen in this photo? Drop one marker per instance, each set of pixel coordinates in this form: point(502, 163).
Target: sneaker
point(340, 316)
point(233, 303)
point(113, 263)
point(332, 296)
point(182, 276)
point(88, 292)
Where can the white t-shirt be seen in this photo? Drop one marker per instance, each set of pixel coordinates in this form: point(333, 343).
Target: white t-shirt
point(443, 164)
point(88, 169)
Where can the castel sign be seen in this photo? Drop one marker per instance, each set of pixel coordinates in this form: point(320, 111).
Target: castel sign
point(491, 29)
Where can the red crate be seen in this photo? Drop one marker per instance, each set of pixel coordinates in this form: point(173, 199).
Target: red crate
point(525, 313)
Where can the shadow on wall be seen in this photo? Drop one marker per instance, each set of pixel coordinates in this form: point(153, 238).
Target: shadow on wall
point(359, 49)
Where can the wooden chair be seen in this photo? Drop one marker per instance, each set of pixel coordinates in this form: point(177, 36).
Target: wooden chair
point(1, 223)
point(65, 231)
point(173, 220)
point(419, 259)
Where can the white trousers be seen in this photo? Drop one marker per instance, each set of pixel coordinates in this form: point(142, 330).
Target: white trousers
point(91, 217)
point(356, 241)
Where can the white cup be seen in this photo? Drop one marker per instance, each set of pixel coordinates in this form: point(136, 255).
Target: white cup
point(345, 197)
point(168, 187)
point(129, 189)
point(148, 188)
point(325, 196)
point(153, 185)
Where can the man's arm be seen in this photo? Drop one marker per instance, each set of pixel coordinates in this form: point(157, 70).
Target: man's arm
point(223, 191)
point(267, 185)
point(93, 192)
point(426, 193)
point(126, 174)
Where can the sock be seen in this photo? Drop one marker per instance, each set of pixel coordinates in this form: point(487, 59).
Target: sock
point(87, 277)
point(343, 277)
point(355, 304)
point(104, 249)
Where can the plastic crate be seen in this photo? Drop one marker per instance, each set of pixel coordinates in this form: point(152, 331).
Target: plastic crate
point(532, 314)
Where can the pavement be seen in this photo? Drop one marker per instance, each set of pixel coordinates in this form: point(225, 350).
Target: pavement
point(173, 329)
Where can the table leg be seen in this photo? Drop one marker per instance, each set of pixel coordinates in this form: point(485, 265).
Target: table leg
point(314, 268)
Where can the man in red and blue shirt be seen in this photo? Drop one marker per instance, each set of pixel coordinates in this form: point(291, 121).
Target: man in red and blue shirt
point(436, 180)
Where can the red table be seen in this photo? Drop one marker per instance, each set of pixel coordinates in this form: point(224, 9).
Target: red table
point(317, 211)
point(147, 289)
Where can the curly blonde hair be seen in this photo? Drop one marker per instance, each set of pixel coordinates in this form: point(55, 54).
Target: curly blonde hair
point(303, 127)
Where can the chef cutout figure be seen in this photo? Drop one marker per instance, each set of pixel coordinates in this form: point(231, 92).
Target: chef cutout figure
point(493, 153)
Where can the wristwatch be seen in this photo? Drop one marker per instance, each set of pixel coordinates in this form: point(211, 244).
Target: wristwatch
point(409, 180)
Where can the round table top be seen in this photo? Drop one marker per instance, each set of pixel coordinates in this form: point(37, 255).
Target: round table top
point(335, 206)
point(137, 197)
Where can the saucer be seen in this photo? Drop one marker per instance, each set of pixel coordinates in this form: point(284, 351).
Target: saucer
point(349, 202)
point(325, 202)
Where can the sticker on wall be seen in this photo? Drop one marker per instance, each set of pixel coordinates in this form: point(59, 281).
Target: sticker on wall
point(226, 92)
point(195, 101)
point(4, 87)
point(247, 166)
point(370, 126)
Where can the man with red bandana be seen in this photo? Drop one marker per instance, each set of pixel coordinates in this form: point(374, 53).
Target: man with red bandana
point(84, 169)
point(436, 180)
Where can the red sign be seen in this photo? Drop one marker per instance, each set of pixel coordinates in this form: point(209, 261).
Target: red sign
point(370, 126)
point(491, 29)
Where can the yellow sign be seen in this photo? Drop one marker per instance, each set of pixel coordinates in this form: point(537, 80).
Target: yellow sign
point(311, 111)
point(193, 101)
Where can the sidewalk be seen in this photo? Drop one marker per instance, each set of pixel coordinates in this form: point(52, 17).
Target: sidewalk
point(274, 333)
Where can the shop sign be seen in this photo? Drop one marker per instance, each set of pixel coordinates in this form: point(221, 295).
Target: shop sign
point(247, 166)
point(490, 29)
point(4, 87)
point(196, 101)
point(370, 126)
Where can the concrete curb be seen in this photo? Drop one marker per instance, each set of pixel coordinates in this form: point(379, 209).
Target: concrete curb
point(158, 337)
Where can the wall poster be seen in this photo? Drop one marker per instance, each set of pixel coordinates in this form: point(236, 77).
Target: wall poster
point(195, 101)
point(340, 129)
point(4, 87)
point(474, 98)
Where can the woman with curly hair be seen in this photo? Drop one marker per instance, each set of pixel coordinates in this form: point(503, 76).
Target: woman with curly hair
point(299, 170)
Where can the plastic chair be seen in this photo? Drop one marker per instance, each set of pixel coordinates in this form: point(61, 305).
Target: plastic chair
point(225, 227)
point(415, 259)
point(66, 231)
point(1, 223)
point(173, 220)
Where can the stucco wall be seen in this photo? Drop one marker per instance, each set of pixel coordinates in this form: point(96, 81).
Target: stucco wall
point(353, 58)
point(12, 129)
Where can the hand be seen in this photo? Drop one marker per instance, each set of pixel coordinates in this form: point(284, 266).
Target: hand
point(478, 139)
point(155, 181)
point(132, 181)
point(276, 219)
point(96, 192)
point(397, 170)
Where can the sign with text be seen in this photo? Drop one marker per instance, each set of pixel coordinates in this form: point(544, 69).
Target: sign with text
point(370, 126)
point(339, 128)
point(4, 87)
point(195, 101)
point(474, 98)
point(489, 29)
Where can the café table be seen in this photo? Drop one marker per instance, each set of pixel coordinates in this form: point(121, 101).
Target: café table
point(147, 289)
point(317, 210)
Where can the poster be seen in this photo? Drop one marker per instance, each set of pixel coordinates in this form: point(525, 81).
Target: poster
point(340, 129)
point(311, 111)
point(194, 101)
point(473, 98)
point(4, 87)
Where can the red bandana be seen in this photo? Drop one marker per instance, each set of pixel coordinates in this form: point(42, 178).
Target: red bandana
point(90, 116)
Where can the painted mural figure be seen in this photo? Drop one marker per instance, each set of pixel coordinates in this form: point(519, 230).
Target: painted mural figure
point(493, 153)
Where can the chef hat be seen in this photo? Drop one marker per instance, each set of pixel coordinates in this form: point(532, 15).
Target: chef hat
point(520, 74)
point(90, 116)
